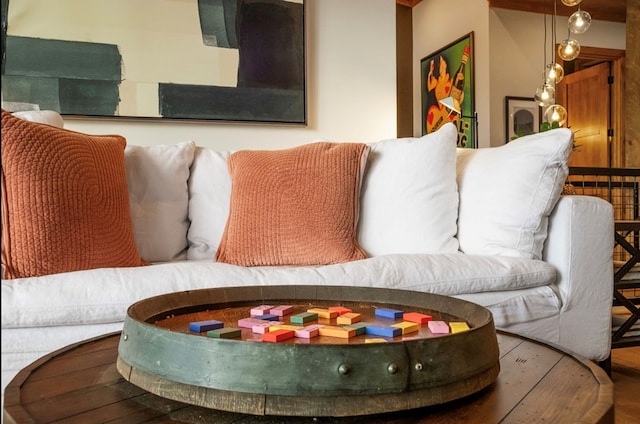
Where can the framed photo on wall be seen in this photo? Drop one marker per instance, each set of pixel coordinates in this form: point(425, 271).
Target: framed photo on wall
point(522, 117)
point(193, 59)
point(447, 87)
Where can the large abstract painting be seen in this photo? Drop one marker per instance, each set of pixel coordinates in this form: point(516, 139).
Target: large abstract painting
point(231, 60)
point(448, 90)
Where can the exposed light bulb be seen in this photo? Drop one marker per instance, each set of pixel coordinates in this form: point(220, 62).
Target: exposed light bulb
point(553, 73)
point(579, 22)
point(569, 49)
point(556, 113)
point(571, 2)
point(545, 95)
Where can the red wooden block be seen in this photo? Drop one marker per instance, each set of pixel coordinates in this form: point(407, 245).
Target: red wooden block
point(341, 310)
point(417, 317)
point(278, 336)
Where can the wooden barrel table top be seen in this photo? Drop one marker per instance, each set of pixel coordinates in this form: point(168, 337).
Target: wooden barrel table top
point(328, 375)
point(537, 383)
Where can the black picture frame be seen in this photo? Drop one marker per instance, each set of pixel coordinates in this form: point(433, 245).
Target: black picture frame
point(522, 116)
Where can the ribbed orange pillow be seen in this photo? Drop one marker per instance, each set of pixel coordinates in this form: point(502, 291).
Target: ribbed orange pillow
point(65, 204)
point(296, 206)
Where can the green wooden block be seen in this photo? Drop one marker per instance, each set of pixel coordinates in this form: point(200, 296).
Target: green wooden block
point(303, 318)
point(225, 333)
point(360, 327)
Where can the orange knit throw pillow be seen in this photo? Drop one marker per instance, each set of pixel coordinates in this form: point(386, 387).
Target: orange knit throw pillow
point(65, 204)
point(296, 206)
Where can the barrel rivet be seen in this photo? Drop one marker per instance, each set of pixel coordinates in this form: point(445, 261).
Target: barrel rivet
point(344, 369)
point(126, 337)
point(392, 368)
point(419, 366)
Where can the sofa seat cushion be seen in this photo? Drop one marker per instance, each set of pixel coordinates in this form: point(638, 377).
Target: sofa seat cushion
point(103, 295)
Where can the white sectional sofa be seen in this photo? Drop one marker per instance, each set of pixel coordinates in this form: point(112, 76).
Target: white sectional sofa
point(486, 225)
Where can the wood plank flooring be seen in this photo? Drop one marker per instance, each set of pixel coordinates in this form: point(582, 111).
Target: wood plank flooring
point(625, 373)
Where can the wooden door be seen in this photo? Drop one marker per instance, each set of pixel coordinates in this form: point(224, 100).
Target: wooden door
point(587, 97)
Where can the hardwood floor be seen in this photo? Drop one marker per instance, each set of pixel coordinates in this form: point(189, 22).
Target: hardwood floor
point(625, 373)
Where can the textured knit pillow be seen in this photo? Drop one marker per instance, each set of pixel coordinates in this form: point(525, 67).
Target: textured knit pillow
point(296, 206)
point(409, 201)
point(507, 193)
point(65, 205)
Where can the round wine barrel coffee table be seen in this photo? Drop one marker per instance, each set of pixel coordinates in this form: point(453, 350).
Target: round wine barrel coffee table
point(320, 376)
point(537, 383)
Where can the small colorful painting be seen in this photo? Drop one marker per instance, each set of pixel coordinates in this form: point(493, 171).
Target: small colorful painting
point(448, 90)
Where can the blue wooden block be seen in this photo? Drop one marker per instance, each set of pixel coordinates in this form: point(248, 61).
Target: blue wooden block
point(389, 313)
point(200, 326)
point(360, 327)
point(383, 331)
point(268, 317)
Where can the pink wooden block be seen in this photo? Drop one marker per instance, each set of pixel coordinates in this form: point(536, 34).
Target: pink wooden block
point(260, 310)
point(438, 327)
point(281, 310)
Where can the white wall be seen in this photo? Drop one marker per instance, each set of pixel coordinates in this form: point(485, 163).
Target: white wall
point(351, 88)
point(508, 48)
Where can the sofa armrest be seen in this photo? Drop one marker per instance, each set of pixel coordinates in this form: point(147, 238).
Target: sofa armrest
point(580, 245)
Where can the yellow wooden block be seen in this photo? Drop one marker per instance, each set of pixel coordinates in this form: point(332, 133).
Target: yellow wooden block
point(375, 340)
point(407, 327)
point(323, 313)
point(339, 332)
point(458, 326)
point(348, 318)
point(284, 327)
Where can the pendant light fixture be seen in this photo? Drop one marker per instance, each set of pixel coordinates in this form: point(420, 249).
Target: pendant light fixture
point(546, 93)
point(579, 21)
point(569, 48)
point(571, 3)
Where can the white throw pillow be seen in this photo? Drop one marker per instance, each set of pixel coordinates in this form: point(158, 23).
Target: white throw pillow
point(209, 197)
point(157, 181)
point(508, 192)
point(409, 199)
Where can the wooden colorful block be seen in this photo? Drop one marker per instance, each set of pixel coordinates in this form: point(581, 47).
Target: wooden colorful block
point(267, 317)
point(285, 327)
point(338, 332)
point(303, 318)
point(278, 336)
point(359, 327)
point(250, 322)
point(262, 328)
point(407, 327)
point(438, 327)
point(375, 340)
point(417, 317)
point(389, 313)
point(281, 310)
point(383, 331)
point(458, 326)
point(309, 332)
point(260, 310)
point(348, 318)
point(341, 310)
point(225, 333)
point(200, 326)
point(323, 313)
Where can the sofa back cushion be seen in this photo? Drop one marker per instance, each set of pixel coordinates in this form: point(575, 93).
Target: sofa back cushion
point(296, 206)
point(507, 193)
point(209, 196)
point(157, 179)
point(409, 195)
point(65, 204)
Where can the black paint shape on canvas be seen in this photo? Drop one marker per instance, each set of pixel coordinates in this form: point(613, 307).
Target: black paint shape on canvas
point(231, 103)
point(271, 44)
point(218, 22)
point(88, 97)
point(62, 59)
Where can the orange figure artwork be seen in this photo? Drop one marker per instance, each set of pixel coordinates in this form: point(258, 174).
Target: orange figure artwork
point(440, 85)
